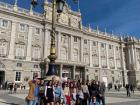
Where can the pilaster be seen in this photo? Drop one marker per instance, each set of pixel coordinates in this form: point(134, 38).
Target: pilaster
point(71, 48)
point(58, 45)
point(12, 41)
point(90, 52)
point(73, 74)
point(124, 75)
point(47, 33)
point(115, 63)
point(99, 51)
point(134, 57)
point(61, 68)
point(107, 58)
point(81, 45)
point(136, 63)
point(29, 46)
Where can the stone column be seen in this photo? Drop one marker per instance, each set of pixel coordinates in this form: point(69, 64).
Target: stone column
point(59, 45)
point(12, 41)
point(29, 46)
point(125, 80)
point(90, 53)
point(81, 45)
point(61, 68)
point(99, 54)
point(107, 58)
point(129, 57)
point(47, 33)
point(115, 63)
point(136, 63)
point(71, 48)
point(73, 74)
point(134, 57)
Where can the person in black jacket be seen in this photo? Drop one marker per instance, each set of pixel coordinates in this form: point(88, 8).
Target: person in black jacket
point(128, 89)
point(102, 93)
point(95, 89)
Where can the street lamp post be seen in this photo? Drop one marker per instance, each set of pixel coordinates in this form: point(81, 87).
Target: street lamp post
point(52, 57)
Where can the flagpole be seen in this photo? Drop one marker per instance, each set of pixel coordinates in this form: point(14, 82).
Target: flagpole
point(78, 5)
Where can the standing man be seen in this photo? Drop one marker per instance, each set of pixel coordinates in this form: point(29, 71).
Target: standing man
point(128, 90)
point(102, 93)
point(11, 88)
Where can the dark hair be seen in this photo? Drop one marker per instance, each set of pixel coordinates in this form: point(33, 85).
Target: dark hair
point(48, 84)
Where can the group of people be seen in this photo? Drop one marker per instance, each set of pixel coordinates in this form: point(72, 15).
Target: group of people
point(70, 92)
point(13, 88)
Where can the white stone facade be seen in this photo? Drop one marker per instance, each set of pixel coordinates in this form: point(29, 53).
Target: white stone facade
point(81, 51)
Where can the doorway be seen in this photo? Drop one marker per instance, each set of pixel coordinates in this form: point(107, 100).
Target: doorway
point(2, 77)
point(104, 79)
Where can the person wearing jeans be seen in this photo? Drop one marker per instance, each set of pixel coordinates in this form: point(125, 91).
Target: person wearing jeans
point(30, 99)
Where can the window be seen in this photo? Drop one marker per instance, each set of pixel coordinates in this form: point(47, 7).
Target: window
point(3, 49)
point(4, 23)
point(110, 47)
point(37, 31)
point(113, 79)
point(35, 66)
point(112, 72)
point(96, 78)
point(36, 53)
point(75, 39)
point(35, 75)
point(117, 48)
point(18, 76)
point(20, 51)
point(63, 38)
point(19, 64)
point(22, 27)
point(75, 55)
point(85, 41)
point(102, 45)
point(94, 43)
point(64, 55)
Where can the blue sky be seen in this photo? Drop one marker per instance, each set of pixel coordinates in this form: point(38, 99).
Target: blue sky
point(120, 16)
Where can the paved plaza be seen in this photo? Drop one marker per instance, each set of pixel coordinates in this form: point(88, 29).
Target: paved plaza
point(112, 98)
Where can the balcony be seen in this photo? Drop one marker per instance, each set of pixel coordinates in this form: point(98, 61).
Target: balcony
point(103, 66)
point(95, 65)
point(3, 55)
point(36, 59)
point(112, 67)
point(20, 57)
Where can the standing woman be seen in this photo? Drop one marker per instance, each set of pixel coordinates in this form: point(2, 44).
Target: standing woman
point(49, 93)
point(85, 92)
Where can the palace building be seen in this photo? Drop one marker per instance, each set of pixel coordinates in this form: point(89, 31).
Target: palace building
point(81, 51)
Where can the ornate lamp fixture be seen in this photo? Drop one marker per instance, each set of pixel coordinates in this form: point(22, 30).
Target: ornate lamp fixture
point(60, 5)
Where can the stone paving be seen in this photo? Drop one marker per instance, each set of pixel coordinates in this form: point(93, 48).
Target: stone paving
point(112, 98)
